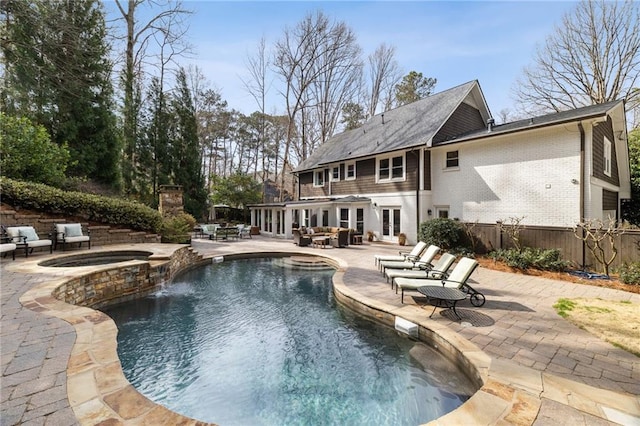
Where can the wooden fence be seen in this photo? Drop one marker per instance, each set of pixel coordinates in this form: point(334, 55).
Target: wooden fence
point(489, 237)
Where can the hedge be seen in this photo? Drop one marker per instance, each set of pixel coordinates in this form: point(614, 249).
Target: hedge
point(96, 208)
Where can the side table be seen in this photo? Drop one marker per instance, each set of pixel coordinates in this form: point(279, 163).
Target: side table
point(447, 295)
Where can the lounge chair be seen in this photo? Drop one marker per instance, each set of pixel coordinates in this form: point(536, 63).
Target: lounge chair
point(423, 262)
point(244, 231)
point(27, 237)
point(438, 271)
point(402, 256)
point(457, 279)
point(69, 233)
point(340, 239)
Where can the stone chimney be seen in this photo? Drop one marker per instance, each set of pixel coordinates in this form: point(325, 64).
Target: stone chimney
point(171, 202)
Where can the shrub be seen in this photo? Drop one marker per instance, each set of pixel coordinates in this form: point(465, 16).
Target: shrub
point(630, 273)
point(114, 211)
point(177, 229)
point(528, 257)
point(442, 232)
point(27, 153)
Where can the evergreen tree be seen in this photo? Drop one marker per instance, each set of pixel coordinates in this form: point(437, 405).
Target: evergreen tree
point(57, 73)
point(413, 87)
point(185, 149)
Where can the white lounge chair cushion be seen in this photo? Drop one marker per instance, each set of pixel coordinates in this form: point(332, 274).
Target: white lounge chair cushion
point(39, 243)
point(79, 239)
point(5, 247)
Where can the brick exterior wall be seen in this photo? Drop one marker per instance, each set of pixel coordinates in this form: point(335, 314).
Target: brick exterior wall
point(526, 175)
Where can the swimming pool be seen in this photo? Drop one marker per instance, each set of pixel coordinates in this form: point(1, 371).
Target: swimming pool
point(251, 342)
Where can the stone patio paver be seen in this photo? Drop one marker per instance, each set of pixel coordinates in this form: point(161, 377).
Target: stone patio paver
point(517, 327)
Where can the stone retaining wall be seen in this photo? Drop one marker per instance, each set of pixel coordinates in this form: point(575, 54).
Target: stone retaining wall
point(101, 235)
point(125, 282)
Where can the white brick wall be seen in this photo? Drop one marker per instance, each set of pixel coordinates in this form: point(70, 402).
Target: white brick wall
point(527, 175)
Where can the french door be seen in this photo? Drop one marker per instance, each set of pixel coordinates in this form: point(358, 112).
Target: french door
point(390, 223)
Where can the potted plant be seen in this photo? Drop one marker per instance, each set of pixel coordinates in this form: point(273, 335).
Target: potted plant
point(402, 238)
point(370, 236)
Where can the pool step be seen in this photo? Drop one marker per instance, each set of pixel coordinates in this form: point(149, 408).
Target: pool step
point(302, 262)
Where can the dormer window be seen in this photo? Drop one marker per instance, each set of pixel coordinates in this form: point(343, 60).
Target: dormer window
point(318, 178)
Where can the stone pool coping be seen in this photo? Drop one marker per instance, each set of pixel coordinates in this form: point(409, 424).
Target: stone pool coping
point(99, 392)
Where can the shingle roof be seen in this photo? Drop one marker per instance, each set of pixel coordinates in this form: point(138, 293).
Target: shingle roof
point(404, 127)
point(539, 121)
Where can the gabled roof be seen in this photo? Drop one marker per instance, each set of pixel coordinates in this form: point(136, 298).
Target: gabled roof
point(404, 127)
point(591, 111)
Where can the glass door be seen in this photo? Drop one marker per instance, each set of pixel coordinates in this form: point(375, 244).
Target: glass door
point(390, 223)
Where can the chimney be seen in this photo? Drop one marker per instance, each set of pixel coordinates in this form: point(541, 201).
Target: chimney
point(382, 117)
point(490, 123)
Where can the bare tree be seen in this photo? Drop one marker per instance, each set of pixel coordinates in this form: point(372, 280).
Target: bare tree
point(512, 228)
point(384, 74)
point(301, 59)
point(600, 238)
point(592, 57)
point(169, 22)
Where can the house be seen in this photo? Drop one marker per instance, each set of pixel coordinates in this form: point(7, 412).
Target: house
point(442, 156)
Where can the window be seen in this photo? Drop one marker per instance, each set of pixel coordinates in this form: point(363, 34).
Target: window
point(318, 178)
point(442, 211)
point(344, 218)
point(391, 168)
point(351, 171)
point(452, 159)
point(307, 216)
point(607, 157)
point(335, 174)
point(325, 217)
point(360, 220)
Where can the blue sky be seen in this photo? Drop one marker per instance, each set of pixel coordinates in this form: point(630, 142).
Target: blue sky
point(452, 41)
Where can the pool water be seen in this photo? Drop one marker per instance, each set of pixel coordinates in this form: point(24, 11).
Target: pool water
point(248, 342)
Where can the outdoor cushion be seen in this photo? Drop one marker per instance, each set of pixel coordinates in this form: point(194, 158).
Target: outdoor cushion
point(73, 230)
point(29, 233)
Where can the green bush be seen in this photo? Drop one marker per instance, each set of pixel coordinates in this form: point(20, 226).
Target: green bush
point(546, 260)
point(630, 273)
point(442, 232)
point(177, 229)
point(27, 153)
point(113, 211)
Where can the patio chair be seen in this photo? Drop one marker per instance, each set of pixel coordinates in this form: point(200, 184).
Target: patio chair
point(244, 231)
point(457, 278)
point(438, 271)
point(423, 262)
point(402, 256)
point(340, 239)
point(69, 233)
point(6, 246)
point(27, 237)
point(300, 239)
point(209, 230)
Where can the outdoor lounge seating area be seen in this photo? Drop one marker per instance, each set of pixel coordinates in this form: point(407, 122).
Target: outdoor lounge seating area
point(419, 271)
point(222, 232)
point(321, 236)
point(25, 237)
point(71, 233)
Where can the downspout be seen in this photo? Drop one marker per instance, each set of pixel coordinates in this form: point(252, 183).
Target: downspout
point(417, 191)
point(582, 189)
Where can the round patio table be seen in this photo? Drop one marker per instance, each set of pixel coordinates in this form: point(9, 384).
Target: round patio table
point(447, 295)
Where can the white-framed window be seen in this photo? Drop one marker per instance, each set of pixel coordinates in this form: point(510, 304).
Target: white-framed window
point(350, 170)
point(318, 178)
point(452, 160)
point(607, 157)
point(335, 174)
point(442, 211)
point(344, 218)
point(390, 168)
